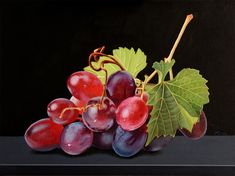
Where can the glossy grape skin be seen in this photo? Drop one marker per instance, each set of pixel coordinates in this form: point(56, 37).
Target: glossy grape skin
point(78, 104)
point(55, 108)
point(120, 85)
point(43, 135)
point(84, 86)
point(76, 138)
point(158, 144)
point(132, 113)
point(128, 143)
point(199, 129)
point(145, 99)
point(99, 119)
point(104, 140)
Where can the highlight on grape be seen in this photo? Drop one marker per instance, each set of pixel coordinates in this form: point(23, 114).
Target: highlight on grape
point(110, 108)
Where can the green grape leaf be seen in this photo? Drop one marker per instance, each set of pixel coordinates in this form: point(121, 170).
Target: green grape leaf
point(176, 103)
point(132, 61)
point(163, 68)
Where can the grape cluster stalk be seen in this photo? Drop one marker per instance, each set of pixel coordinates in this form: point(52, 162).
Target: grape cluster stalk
point(109, 116)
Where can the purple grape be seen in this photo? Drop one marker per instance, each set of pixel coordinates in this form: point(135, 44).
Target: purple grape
point(99, 119)
point(120, 86)
point(104, 140)
point(158, 144)
point(76, 138)
point(128, 143)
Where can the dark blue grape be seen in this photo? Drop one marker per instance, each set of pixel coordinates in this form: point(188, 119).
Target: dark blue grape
point(128, 143)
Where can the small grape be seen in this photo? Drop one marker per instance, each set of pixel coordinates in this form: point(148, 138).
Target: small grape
point(120, 85)
point(84, 86)
point(99, 118)
point(199, 129)
point(55, 108)
point(132, 113)
point(128, 143)
point(43, 135)
point(76, 138)
point(158, 144)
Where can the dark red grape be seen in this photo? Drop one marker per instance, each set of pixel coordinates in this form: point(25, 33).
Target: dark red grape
point(128, 143)
point(76, 138)
point(84, 86)
point(132, 113)
point(104, 140)
point(99, 118)
point(120, 85)
point(43, 135)
point(158, 143)
point(55, 108)
point(199, 129)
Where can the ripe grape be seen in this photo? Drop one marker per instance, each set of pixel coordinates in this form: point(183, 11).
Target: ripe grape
point(158, 143)
point(145, 99)
point(104, 140)
point(99, 118)
point(120, 85)
point(78, 104)
point(199, 129)
point(128, 143)
point(132, 113)
point(76, 138)
point(84, 86)
point(55, 108)
point(43, 135)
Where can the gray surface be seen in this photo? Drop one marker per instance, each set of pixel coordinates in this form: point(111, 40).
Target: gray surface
point(208, 151)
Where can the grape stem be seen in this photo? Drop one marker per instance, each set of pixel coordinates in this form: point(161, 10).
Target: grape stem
point(151, 76)
point(82, 109)
point(169, 58)
point(70, 108)
point(95, 56)
point(143, 85)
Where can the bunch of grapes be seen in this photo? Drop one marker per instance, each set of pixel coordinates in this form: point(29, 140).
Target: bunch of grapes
point(110, 116)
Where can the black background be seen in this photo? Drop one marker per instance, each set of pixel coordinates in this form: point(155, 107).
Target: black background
point(43, 42)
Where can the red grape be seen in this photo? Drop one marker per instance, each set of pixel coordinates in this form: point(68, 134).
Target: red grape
point(132, 113)
point(43, 135)
point(84, 86)
point(99, 119)
point(145, 99)
point(199, 129)
point(76, 138)
point(120, 85)
point(55, 108)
